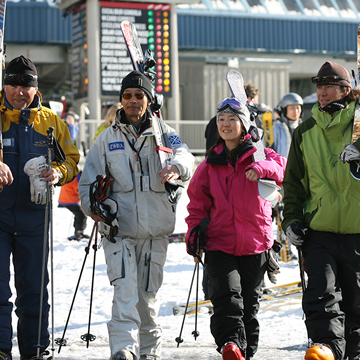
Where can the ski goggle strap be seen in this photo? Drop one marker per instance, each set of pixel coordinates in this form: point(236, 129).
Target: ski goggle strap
point(232, 103)
point(329, 80)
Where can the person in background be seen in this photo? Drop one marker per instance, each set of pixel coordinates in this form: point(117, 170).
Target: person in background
point(72, 120)
point(109, 119)
point(138, 213)
point(69, 194)
point(321, 210)
point(24, 179)
point(290, 109)
point(239, 237)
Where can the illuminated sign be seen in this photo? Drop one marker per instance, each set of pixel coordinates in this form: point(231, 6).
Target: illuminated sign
point(79, 61)
point(152, 22)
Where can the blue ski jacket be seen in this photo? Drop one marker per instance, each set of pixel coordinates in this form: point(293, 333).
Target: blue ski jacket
point(24, 138)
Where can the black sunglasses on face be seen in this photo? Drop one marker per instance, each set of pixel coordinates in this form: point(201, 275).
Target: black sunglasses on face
point(330, 79)
point(24, 77)
point(128, 96)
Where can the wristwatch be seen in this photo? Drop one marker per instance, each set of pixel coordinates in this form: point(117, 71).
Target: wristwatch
point(60, 174)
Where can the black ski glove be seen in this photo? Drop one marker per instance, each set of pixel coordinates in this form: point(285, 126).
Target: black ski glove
point(296, 233)
point(273, 267)
point(199, 242)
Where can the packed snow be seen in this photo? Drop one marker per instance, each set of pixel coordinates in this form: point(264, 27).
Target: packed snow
point(282, 333)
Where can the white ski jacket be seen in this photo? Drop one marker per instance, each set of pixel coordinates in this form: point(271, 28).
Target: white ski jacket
point(141, 214)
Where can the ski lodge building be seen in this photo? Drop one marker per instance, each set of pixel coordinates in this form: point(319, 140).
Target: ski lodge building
point(277, 45)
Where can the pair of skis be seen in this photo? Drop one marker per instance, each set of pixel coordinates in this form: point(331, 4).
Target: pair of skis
point(144, 64)
point(267, 187)
point(355, 164)
point(2, 60)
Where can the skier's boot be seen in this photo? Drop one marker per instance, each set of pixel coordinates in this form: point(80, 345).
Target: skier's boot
point(319, 352)
point(231, 351)
point(35, 357)
point(79, 235)
point(122, 355)
point(5, 355)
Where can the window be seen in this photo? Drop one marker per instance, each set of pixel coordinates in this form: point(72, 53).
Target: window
point(310, 8)
point(274, 7)
point(292, 7)
point(327, 8)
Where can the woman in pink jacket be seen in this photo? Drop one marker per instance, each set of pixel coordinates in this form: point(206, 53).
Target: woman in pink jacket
point(224, 189)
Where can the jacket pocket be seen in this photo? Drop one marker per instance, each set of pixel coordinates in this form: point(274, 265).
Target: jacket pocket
point(114, 255)
point(154, 264)
point(154, 169)
point(120, 170)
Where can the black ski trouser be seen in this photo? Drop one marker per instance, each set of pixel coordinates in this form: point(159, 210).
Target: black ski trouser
point(331, 301)
point(79, 217)
point(234, 284)
point(27, 253)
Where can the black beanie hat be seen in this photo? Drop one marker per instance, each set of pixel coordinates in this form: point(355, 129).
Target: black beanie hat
point(136, 79)
point(20, 66)
point(331, 68)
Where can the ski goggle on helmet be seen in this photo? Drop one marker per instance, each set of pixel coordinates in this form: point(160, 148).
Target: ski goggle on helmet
point(234, 106)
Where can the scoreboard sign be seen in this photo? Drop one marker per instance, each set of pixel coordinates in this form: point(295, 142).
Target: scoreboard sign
point(152, 22)
point(79, 61)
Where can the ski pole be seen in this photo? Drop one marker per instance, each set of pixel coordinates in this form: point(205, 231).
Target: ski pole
point(196, 333)
point(46, 230)
point(61, 341)
point(179, 340)
point(89, 337)
point(301, 266)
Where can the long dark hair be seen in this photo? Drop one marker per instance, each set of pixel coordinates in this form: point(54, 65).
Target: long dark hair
point(352, 96)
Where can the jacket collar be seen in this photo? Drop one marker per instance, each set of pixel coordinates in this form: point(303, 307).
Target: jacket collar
point(218, 155)
point(123, 123)
point(342, 117)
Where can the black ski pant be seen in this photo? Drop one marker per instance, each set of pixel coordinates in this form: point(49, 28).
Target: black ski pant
point(27, 253)
point(234, 284)
point(79, 216)
point(331, 301)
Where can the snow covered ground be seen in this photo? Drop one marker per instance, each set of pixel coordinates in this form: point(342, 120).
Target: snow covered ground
point(282, 336)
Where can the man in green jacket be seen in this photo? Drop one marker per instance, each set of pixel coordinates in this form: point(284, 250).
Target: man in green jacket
point(321, 214)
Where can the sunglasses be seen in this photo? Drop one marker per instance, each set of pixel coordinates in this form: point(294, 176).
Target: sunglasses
point(330, 79)
point(232, 103)
point(128, 96)
point(24, 77)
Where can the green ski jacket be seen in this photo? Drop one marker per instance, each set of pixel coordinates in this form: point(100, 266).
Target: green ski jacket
point(319, 189)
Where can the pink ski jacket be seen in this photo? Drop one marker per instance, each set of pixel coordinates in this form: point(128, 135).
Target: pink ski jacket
point(240, 220)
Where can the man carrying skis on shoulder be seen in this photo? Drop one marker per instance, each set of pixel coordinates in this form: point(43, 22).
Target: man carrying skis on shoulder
point(24, 176)
point(322, 202)
point(141, 215)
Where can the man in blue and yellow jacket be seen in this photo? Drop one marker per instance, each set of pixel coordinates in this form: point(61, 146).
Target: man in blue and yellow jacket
point(24, 176)
point(322, 196)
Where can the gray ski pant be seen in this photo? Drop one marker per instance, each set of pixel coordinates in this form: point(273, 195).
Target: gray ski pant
point(135, 269)
point(331, 301)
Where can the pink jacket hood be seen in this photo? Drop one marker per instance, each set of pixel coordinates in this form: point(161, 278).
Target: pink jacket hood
point(240, 220)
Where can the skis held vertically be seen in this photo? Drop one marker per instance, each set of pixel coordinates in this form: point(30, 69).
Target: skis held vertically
point(355, 164)
point(144, 64)
point(2, 58)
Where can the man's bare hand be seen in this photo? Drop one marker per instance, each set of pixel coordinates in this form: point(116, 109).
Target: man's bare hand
point(6, 177)
point(51, 176)
point(169, 173)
